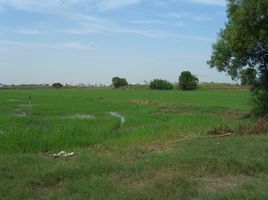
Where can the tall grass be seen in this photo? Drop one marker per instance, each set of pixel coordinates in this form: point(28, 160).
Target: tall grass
point(150, 115)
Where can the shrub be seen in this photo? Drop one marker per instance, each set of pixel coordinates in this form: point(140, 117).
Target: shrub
point(119, 82)
point(187, 81)
point(57, 85)
point(261, 103)
point(159, 84)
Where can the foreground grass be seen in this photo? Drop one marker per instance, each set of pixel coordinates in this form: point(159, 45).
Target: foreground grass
point(134, 160)
point(227, 168)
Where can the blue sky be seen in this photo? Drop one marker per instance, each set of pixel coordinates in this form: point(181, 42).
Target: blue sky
point(91, 41)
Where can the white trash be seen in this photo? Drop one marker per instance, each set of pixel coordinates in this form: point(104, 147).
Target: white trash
point(63, 154)
point(80, 116)
point(122, 118)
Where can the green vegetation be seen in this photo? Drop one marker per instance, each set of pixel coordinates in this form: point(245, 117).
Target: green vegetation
point(119, 82)
point(187, 81)
point(154, 154)
point(159, 84)
point(243, 44)
point(57, 85)
point(248, 76)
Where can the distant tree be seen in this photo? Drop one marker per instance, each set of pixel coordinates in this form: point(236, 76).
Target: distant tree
point(119, 82)
point(187, 81)
point(243, 43)
point(248, 77)
point(160, 84)
point(57, 85)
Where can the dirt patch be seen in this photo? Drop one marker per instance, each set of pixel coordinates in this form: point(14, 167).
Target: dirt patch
point(159, 148)
point(220, 130)
point(145, 102)
point(170, 108)
point(157, 177)
point(44, 191)
point(232, 114)
point(213, 184)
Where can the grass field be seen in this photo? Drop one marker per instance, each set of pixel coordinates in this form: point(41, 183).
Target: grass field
point(153, 152)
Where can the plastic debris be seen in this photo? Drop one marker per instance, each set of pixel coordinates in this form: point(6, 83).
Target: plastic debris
point(115, 114)
point(80, 116)
point(20, 114)
point(63, 154)
point(14, 100)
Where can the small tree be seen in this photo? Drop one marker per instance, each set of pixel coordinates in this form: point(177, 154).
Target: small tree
point(248, 76)
point(57, 85)
point(159, 84)
point(119, 82)
point(187, 81)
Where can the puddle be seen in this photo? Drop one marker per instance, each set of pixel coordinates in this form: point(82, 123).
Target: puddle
point(26, 105)
point(80, 116)
point(14, 100)
point(2, 132)
point(21, 114)
point(116, 114)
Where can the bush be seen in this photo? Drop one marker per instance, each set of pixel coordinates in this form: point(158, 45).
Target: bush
point(57, 85)
point(159, 84)
point(187, 81)
point(119, 82)
point(261, 103)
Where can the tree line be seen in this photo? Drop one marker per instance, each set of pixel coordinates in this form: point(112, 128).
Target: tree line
point(187, 81)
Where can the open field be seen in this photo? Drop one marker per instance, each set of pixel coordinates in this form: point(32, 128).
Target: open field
point(128, 144)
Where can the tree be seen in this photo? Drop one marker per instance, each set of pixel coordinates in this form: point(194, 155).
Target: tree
point(187, 81)
point(160, 84)
point(248, 77)
point(119, 82)
point(243, 43)
point(57, 85)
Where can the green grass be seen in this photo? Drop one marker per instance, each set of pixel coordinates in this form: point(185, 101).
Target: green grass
point(134, 160)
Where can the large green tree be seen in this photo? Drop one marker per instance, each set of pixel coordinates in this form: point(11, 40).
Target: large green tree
point(248, 76)
point(119, 82)
point(187, 81)
point(243, 43)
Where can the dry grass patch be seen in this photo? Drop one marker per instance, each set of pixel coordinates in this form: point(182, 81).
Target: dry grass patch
point(232, 114)
point(145, 102)
point(214, 184)
point(260, 127)
point(159, 176)
point(43, 191)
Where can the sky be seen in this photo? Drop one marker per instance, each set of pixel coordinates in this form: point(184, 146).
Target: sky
point(91, 41)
